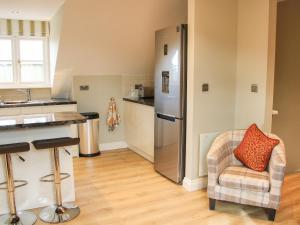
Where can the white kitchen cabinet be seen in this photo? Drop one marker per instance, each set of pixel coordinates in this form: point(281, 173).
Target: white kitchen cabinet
point(139, 129)
point(59, 108)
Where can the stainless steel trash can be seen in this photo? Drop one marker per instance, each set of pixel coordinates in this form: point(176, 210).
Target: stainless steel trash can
point(89, 135)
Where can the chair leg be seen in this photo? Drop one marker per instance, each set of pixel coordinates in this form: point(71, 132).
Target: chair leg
point(11, 189)
point(14, 218)
point(271, 214)
point(212, 204)
point(57, 179)
point(58, 213)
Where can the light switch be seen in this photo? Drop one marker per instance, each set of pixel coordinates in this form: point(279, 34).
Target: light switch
point(84, 87)
point(205, 87)
point(254, 88)
point(166, 49)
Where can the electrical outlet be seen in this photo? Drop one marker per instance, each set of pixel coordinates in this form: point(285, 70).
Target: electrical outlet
point(84, 87)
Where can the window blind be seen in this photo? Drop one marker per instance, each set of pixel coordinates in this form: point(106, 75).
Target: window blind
point(27, 28)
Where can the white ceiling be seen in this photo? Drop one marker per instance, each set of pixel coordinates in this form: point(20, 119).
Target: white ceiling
point(29, 9)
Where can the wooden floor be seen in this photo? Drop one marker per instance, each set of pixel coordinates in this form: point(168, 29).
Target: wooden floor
point(121, 187)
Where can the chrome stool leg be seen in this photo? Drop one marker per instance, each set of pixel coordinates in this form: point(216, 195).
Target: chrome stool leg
point(14, 218)
point(58, 213)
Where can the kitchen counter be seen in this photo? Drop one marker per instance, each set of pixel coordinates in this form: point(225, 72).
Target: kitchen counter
point(38, 103)
point(143, 101)
point(40, 120)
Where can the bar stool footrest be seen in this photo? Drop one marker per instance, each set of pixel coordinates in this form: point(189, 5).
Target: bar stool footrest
point(22, 218)
point(20, 183)
point(48, 177)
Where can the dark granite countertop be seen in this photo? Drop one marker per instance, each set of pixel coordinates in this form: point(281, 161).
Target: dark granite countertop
point(40, 120)
point(143, 101)
point(39, 103)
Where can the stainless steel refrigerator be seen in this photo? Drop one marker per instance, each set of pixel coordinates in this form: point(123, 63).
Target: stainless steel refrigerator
point(170, 101)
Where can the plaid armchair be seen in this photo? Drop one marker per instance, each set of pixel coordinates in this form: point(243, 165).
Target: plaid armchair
point(229, 180)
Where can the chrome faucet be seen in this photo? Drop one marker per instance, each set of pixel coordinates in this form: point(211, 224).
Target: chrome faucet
point(27, 92)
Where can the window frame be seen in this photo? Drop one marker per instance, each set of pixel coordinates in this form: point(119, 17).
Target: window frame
point(12, 60)
point(16, 64)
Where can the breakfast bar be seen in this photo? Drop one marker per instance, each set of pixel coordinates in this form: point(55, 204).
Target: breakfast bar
point(27, 128)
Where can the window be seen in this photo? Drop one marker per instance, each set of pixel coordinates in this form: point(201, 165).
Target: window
point(32, 61)
point(6, 61)
point(24, 62)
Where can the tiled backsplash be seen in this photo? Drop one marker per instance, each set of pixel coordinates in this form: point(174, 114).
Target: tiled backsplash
point(97, 97)
point(16, 94)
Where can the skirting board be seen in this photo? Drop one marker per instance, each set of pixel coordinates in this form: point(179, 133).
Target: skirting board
point(195, 184)
point(141, 153)
point(122, 144)
point(113, 146)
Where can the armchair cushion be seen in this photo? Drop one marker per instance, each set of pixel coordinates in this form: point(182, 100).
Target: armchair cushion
point(240, 177)
point(255, 149)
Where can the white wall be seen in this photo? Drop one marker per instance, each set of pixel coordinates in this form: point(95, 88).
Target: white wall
point(108, 45)
point(101, 38)
point(255, 62)
point(231, 46)
point(54, 40)
point(114, 37)
point(212, 60)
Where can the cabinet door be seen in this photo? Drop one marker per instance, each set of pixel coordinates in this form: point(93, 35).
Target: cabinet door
point(59, 108)
point(130, 123)
point(139, 128)
point(145, 129)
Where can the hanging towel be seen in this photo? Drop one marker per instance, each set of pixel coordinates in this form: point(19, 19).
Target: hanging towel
point(113, 117)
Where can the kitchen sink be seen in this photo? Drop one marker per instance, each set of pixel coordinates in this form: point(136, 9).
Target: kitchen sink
point(25, 102)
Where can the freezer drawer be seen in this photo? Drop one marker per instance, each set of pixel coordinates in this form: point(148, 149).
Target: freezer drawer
point(169, 147)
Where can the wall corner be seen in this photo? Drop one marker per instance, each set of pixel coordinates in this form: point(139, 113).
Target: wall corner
point(194, 184)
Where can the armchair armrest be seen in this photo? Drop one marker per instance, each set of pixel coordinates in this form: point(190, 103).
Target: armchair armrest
point(219, 157)
point(277, 171)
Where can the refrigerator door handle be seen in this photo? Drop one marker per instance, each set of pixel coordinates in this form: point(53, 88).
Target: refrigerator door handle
point(166, 117)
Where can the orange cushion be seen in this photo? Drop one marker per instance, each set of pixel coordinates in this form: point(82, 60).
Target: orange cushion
point(255, 149)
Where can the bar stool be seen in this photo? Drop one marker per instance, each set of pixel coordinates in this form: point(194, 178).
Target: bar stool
point(14, 217)
point(58, 213)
